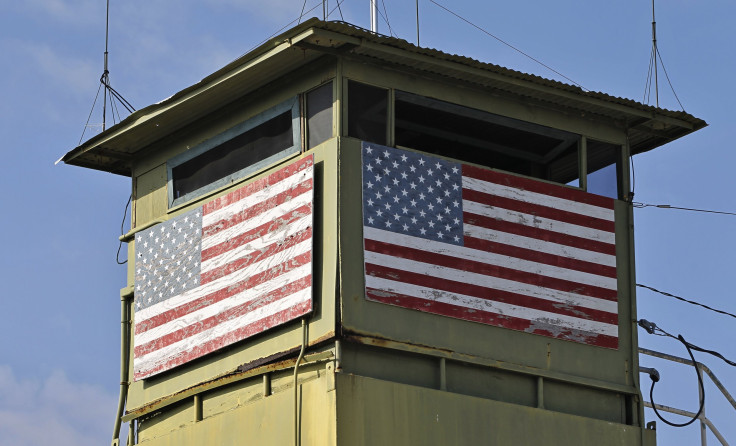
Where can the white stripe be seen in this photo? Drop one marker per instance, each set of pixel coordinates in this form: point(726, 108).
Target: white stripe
point(489, 258)
point(233, 208)
point(257, 220)
point(201, 314)
point(278, 236)
point(222, 282)
point(495, 283)
point(537, 198)
point(500, 308)
point(534, 221)
point(540, 245)
point(155, 358)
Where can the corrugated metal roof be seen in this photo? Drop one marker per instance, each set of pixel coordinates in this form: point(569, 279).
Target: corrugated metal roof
point(114, 149)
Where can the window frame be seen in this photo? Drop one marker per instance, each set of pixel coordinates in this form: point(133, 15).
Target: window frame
point(237, 130)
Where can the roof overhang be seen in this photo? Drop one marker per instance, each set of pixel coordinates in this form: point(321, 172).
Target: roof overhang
point(115, 149)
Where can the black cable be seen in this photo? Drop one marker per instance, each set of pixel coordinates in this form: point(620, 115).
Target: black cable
point(90, 114)
point(664, 293)
point(122, 231)
point(667, 206)
point(668, 79)
point(339, 9)
point(390, 30)
point(304, 5)
point(700, 382)
point(508, 44)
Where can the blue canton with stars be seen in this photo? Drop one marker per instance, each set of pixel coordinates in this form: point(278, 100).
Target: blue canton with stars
point(168, 257)
point(413, 194)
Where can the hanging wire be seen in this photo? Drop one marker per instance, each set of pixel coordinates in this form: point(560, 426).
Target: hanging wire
point(508, 44)
point(301, 14)
point(122, 232)
point(692, 302)
point(385, 19)
point(667, 76)
point(667, 206)
point(90, 114)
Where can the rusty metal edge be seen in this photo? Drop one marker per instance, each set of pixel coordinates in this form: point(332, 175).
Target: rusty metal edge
point(243, 371)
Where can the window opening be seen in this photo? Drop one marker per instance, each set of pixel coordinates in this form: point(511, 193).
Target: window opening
point(604, 169)
point(367, 112)
point(235, 153)
point(319, 115)
point(479, 137)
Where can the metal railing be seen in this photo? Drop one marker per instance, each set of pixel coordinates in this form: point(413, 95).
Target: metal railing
point(704, 421)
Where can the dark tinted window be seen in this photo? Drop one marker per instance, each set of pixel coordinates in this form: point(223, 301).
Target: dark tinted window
point(367, 112)
point(319, 115)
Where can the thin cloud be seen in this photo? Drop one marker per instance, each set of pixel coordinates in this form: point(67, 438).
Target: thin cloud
point(69, 413)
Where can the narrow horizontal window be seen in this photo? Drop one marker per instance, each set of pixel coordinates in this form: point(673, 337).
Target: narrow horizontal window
point(479, 137)
point(235, 153)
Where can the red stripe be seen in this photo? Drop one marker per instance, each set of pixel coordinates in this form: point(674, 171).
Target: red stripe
point(539, 210)
point(490, 270)
point(258, 208)
point(540, 257)
point(270, 226)
point(489, 318)
point(255, 186)
point(541, 187)
point(224, 293)
point(222, 317)
point(229, 338)
point(490, 294)
point(539, 234)
point(256, 256)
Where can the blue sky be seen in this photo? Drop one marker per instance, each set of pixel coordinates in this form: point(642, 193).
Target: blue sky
point(59, 354)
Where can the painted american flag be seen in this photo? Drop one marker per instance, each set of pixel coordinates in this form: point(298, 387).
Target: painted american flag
point(484, 246)
point(230, 269)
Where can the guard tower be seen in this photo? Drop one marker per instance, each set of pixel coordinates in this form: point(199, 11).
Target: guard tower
point(344, 239)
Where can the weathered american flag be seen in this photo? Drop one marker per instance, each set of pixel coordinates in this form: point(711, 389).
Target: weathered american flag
point(237, 266)
point(484, 246)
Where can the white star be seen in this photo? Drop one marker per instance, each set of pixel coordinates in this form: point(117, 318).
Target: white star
point(386, 153)
point(387, 188)
point(369, 168)
point(379, 195)
point(421, 196)
point(403, 158)
point(448, 228)
point(413, 202)
point(422, 213)
point(455, 187)
point(414, 220)
point(439, 217)
point(431, 224)
point(454, 169)
point(430, 206)
point(430, 189)
point(404, 193)
point(386, 170)
point(370, 202)
point(447, 193)
point(447, 176)
point(447, 210)
point(404, 175)
point(369, 184)
point(387, 206)
point(378, 178)
point(368, 149)
point(439, 234)
point(438, 183)
point(396, 199)
point(421, 179)
point(413, 185)
point(379, 212)
point(395, 164)
point(396, 216)
point(438, 165)
point(423, 231)
point(406, 228)
point(456, 221)
point(396, 182)
point(370, 220)
point(388, 224)
point(430, 172)
point(378, 161)
point(421, 161)
point(455, 203)
point(439, 200)
point(405, 210)
point(457, 239)
point(412, 168)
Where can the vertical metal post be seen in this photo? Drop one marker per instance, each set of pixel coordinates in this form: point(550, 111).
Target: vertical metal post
point(197, 407)
point(703, 433)
point(583, 163)
point(540, 392)
point(443, 374)
point(417, 3)
point(374, 16)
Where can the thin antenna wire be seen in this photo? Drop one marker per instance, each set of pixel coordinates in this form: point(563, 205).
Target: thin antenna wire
point(655, 60)
point(508, 44)
point(385, 19)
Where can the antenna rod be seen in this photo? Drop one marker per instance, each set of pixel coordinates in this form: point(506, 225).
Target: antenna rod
point(105, 74)
point(417, 2)
point(374, 16)
point(654, 53)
